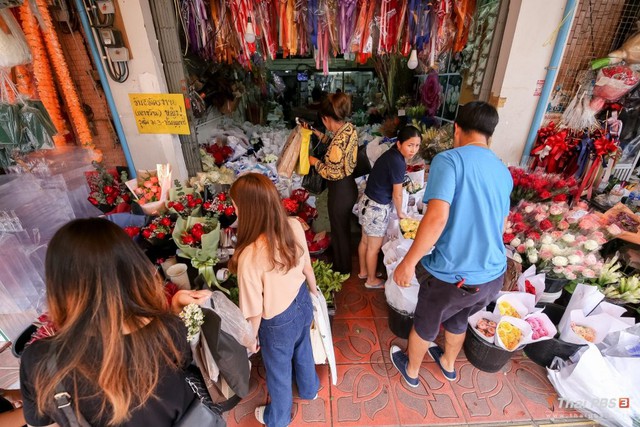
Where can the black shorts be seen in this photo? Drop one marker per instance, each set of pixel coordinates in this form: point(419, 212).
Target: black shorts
point(443, 303)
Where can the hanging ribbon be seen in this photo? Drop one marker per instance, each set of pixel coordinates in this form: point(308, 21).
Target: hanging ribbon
point(312, 19)
point(348, 19)
point(602, 147)
point(329, 10)
point(356, 36)
point(463, 14)
point(300, 18)
point(266, 20)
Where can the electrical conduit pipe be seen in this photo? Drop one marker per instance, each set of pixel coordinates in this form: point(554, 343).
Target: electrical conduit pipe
point(550, 79)
point(97, 60)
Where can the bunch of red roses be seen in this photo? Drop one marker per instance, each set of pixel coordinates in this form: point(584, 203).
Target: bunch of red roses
point(220, 206)
point(160, 228)
point(297, 205)
point(540, 187)
point(219, 152)
point(106, 189)
point(185, 205)
point(193, 236)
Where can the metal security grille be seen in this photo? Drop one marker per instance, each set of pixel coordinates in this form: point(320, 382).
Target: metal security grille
point(600, 26)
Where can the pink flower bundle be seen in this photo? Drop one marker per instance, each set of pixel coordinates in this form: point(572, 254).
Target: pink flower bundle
point(561, 241)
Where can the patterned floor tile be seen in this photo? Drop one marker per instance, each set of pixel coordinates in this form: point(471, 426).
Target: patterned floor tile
point(387, 339)
point(536, 392)
point(303, 412)
point(432, 402)
point(362, 397)
point(352, 302)
point(378, 303)
point(487, 397)
point(355, 341)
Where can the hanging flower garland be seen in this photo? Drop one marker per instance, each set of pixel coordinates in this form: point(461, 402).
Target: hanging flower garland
point(24, 82)
point(42, 72)
point(64, 77)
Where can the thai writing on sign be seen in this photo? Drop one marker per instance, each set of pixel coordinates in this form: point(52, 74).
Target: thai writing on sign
point(160, 113)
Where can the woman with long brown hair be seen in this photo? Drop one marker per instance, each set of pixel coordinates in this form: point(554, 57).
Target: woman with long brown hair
point(275, 276)
point(118, 349)
point(337, 168)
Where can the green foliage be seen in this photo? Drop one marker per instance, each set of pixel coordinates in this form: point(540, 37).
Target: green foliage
point(328, 281)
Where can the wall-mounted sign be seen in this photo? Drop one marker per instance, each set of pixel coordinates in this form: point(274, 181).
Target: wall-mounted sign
point(160, 113)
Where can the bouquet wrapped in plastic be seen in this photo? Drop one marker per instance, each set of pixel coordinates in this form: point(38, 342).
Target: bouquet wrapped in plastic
point(151, 189)
point(198, 239)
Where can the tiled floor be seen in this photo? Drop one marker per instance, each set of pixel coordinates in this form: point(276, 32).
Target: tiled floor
point(370, 392)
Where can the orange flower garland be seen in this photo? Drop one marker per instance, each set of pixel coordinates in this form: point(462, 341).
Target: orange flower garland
point(24, 82)
point(42, 72)
point(69, 93)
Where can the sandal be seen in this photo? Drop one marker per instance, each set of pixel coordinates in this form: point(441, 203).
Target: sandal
point(259, 413)
point(364, 277)
point(376, 285)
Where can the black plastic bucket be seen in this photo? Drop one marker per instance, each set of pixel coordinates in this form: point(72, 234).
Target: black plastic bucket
point(21, 342)
point(553, 285)
point(543, 352)
point(483, 355)
point(399, 323)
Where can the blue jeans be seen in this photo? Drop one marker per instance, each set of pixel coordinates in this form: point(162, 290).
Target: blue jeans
point(286, 349)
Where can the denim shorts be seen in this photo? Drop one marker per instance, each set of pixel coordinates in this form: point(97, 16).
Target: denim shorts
point(443, 303)
point(373, 216)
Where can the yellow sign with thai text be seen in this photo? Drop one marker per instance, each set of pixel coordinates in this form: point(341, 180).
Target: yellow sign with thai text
point(160, 113)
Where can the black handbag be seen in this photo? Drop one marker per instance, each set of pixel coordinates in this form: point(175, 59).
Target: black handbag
point(313, 182)
point(363, 166)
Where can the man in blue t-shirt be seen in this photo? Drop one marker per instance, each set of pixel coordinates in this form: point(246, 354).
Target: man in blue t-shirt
point(467, 199)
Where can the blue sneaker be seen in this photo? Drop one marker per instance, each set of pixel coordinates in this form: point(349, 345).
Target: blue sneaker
point(400, 361)
point(436, 353)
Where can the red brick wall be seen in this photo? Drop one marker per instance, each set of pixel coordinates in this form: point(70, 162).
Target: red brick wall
point(91, 93)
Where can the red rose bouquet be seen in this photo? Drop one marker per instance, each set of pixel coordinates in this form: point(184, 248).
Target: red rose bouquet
point(540, 187)
point(106, 189)
point(221, 208)
point(186, 205)
point(297, 205)
point(132, 231)
point(159, 229)
point(219, 152)
point(197, 238)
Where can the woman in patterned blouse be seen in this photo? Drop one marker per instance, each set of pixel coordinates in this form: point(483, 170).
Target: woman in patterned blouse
point(337, 168)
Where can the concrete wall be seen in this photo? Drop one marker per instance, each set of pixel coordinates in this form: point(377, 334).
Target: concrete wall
point(526, 49)
point(146, 76)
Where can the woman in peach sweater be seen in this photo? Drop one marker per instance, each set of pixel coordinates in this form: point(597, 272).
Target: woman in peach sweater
point(275, 277)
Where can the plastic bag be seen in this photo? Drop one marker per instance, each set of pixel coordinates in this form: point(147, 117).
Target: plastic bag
point(13, 45)
point(598, 388)
point(233, 321)
point(403, 299)
point(10, 124)
point(303, 162)
point(37, 129)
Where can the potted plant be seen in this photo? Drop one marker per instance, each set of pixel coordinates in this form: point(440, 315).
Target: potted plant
point(328, 281)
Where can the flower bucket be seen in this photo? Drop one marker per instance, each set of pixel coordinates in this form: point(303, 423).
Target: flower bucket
point(399, 323)
point(21, 341)
point(553, 285)
point(543, 352)
point(483, 355)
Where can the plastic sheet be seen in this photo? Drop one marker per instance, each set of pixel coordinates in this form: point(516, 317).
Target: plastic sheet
point(233, 321)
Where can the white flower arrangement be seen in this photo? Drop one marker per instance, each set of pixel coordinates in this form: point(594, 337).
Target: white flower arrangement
point(270, 158)
point(193, 319)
